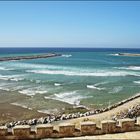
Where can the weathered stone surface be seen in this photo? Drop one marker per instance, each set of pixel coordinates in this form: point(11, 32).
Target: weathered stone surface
point(138, 120)
point(108, 126)
point(127, 124)
point(21, 130)
point(44, 130)
point(66, 129)
point(87, 128)
point(3, 130)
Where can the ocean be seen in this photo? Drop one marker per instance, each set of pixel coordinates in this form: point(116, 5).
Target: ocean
point(90, 77)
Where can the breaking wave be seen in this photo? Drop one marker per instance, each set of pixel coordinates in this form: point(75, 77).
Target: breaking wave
point(33, 91)
point(94, 87)
point(72, 98)
point(83, 73)
point(116, 89)
point(116, 54)
point(66, 55)
point(3, 68)
point(137, 82)
point(57, 84)
point(12, 77)
point(21, 105)
point(135, 68)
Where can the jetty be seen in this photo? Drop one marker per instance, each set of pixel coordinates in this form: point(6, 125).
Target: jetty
point(11, 58)
point(128, 54)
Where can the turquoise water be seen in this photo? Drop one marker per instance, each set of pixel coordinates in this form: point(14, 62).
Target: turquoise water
point(93, 78)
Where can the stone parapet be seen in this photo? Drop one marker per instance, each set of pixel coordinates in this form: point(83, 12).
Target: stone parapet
point(22, 132)
point(3, 131)
point(126, 124)
point(108, 126)
point(44, 130)
point(88, 128)
point(138, 120)
point(66, 129)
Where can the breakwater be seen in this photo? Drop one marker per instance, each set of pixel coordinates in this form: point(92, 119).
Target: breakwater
point(87, 128)
point(29, 57)
point(128, 54)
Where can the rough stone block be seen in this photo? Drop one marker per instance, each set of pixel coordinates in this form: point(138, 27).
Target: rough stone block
point(3, 131)
point(88, 128)
point(138, 120)
point(127, 124)
point(44, 130)
point(66, 129)
point(108, 126)
point(21, 130)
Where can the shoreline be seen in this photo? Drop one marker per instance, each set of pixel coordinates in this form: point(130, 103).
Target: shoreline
point(29, 57)
point(75, 117)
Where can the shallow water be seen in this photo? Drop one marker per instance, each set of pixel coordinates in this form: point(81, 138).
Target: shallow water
point(90, 77)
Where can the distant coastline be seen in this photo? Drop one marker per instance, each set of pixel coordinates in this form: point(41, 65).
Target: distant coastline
point(29, 57)
point(128, 54)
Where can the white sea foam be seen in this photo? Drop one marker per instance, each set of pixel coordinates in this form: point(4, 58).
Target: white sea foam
point(33, 91)
point(116, 89)
point(70, 71)
point(17, 104)
point(17, 79)
point(12, 77)
point(72, 98)
point(7, 86)
point(135, 68)
point(84, 73)
point(11, 86)
point(94, 87)
point(38, 81)
point(35, 66)
point(57, 84)
point(137, 82)
point(17, 88)
point(101, 83)
point(48, 111)
point(3, 68)
point(4, 88)
point(116, 54)
point(21, 105)
point(66, 55)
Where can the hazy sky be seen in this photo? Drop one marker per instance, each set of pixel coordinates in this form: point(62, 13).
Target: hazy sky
point(70, 24)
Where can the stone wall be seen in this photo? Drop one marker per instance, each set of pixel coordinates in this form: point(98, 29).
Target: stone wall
point(24, 132)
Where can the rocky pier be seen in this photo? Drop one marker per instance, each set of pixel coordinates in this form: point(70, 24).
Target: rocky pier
point(10, 58)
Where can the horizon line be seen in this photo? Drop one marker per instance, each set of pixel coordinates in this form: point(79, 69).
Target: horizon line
point(76, 47)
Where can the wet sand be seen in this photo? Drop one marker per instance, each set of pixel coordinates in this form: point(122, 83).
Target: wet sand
point(9, 113)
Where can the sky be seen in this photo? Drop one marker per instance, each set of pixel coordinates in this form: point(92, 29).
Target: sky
point(70, 24)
